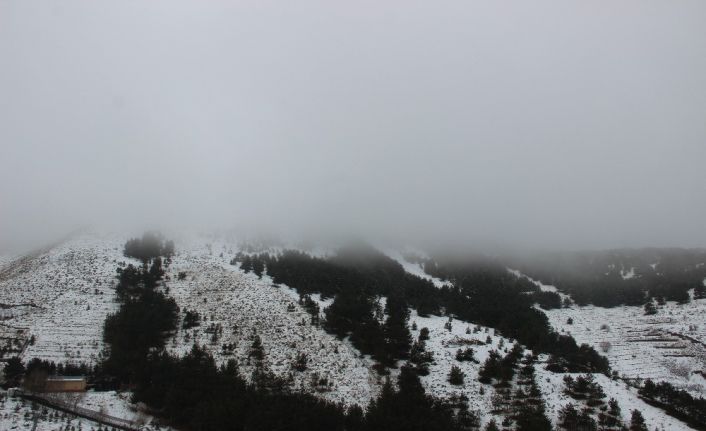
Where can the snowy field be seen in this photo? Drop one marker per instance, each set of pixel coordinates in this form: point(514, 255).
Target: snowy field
point(61, 298)
point(667, 346)
point(21, 415)
point(552, 387)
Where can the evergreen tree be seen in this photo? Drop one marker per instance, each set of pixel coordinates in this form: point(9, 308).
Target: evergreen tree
point(699, 291)
point(490, 368)
point(247, 263)
point(569, 417)
point(14, 370)
point(397, 336)
point(456, 376)
point(533, 418)
point(612, 418)
point(650, 308)
point(409, 409)
point(492, 426)
point(637, 421)
point(258, 266)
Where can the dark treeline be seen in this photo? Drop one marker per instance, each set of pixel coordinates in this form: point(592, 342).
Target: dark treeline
point(133, 281)
point(355, 278)
point(193, 393)
point(621, 277)
point(676, 402)
point(480, 291)
point(149, 247)
point(15, 371)
point(500, 369)
point(485, 292)
point(145, 317)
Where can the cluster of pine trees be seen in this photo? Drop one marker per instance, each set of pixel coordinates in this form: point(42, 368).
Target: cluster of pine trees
point(194, 393)
point(14, 370)
point(677, 402)
point(584, 389)
point(601, 277)
point(355, 279)
point(524, 408)
point(149, 247)
point(485, 292)
point(500, 369)
point(142, 323)
point(134, 281)
point(480, 290)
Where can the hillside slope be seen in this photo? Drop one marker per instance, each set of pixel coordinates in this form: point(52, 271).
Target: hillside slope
point(54, 304)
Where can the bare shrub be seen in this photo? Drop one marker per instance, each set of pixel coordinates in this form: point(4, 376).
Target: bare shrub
point(605, 346)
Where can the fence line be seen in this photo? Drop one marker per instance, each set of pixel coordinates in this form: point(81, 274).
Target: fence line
point(93, 415)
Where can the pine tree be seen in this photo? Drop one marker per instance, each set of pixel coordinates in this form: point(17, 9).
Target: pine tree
point(14, 369)
point(533, 419)
point(568, 417)
point(456, 376)
point(256, 350)
point(650, 308)
point(637, 421)
point(258, 266)
point(490, 368)
point(492, 426)
point(247, 264)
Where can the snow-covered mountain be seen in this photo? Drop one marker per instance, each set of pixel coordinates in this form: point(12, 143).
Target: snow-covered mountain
point(53, 304)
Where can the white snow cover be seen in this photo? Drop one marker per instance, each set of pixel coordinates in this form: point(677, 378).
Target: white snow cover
point(244, 305)
point(412, 268)
point(444, 344)
point(62, 296)
point(18, 414)
point(667, 346)
point(552, 387)
point(628, 274)
point(543, 287)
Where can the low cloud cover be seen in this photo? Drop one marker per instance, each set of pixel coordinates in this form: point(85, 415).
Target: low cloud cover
point(543, 124)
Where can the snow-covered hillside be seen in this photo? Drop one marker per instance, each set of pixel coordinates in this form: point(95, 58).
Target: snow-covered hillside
point(53, 305)
point(552, 387)
point(19, 414)
point(444, 343)
point(667, 346)
point(243, 306)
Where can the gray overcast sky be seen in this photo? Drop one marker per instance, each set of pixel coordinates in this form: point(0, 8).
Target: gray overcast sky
point(551, 123)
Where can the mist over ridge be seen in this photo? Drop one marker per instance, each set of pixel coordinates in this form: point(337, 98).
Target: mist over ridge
point(533, 126)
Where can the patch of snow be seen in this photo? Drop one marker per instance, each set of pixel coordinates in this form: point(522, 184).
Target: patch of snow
point(668, 346)
point(552, 387)
point(19, 414)
point(628, 274)
point(244, 305)
point(444, 345)
point(543, 287)
point(412, 268)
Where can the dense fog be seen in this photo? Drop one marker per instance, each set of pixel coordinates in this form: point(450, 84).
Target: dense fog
point(546, 124)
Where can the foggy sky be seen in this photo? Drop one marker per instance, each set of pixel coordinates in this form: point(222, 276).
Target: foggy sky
point(544, 123)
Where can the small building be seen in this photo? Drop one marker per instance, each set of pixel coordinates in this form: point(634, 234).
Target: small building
point(65, 384)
